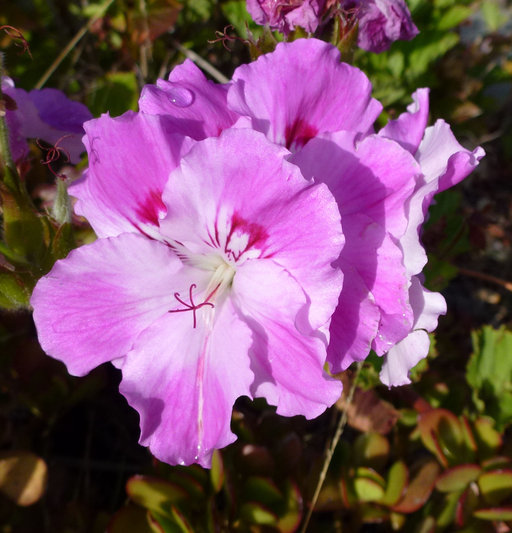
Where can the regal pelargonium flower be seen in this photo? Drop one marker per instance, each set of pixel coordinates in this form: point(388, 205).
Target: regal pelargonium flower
point(286, 15)
point(46, 114)
point(218, 286)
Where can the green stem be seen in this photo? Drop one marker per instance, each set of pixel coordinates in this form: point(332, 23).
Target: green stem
point(330, 452)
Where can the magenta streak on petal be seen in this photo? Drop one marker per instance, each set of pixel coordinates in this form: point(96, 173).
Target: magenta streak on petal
point(257, 235)
point(149, 209)
point(299, 133)
point(192, 306)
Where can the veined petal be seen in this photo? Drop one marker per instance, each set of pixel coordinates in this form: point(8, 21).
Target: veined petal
point(130, 159)
point(288, 365)
point(257, 206)
point(195, 106)
point(92, 305)
point(374, 176)
point(300, 90)
point(183, 381)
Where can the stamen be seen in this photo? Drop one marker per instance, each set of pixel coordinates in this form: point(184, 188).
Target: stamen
point(53, 154)
point(192, 306)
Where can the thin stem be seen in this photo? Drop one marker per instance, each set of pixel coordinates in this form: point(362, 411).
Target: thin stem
point(330, 451)
point(11, 177)
point(196, 58)
point(67, 49)
point(486, 277)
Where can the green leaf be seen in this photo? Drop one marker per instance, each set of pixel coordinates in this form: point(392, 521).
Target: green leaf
point(217, 471)
point(367, 489)
point(453, 17)
point(154, 494)
point(489, 372)
point(130, 519)
point(371, 449)
point(256, 513)
point(116, 93)
point(495, 486)
point(15, 290)
point(493, 16)
point(494, 513)
point(289, 522)
point(398, 476)
point(419, 489)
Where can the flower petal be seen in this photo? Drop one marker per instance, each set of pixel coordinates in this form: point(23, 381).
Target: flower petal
point(408, 129)
point(195, 106)
point(300, 90)
point(183, 381)
point(92, 305)
point(244, 198)
point(130, 159)
point(288, 365)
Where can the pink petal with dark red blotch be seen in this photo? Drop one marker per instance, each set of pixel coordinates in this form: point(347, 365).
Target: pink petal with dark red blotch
point(301, 90)
point(261, 208)
point(195, 106)
point(130, 159)
point(91, 306)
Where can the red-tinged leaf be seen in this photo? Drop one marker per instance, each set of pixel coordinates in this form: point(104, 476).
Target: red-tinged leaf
point(256, 513)
point(489, 441)
point(467, 503)
point(154, 494)
point(446, 514)
point(371, 449)
point(419, 489)
point(131, 519)
point(23, 477)
point(458, 477)
point(173, 523)
point(469, 438)
point(494, 513)
point(370, 473)
point(397, 479)
point(160, 17)
point(495, 485)
point(367, 412)
point(371, 514)
point(256, 459)
point(262, 490)
point(367, 490)
point(291, 520)
point(497, 462)
point(441, 433)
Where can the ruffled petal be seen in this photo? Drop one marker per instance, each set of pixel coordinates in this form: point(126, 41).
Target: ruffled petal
point(300, 90)
point(130, 159)
point(92, 305)
point(442, 157)
point(402, 357)
point(195, 106)
point(245, 199)
point(408, 129)
point(183, 381)
point(288, 365)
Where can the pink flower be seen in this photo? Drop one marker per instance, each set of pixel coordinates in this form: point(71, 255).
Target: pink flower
point(212, 280)
point(381, 22)
point(383, 185)
point(45, 114)
point(286, 15)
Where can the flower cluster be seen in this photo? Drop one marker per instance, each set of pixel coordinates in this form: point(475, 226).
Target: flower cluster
point(380, 22)
point(249, 233)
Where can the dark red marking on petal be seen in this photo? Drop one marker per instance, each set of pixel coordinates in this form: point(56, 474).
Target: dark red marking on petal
point(257, 234)
point(299, 133)
point(192, 306)
point(148, 209)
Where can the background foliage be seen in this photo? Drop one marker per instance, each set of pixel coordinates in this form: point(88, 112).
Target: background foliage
point(432, 456)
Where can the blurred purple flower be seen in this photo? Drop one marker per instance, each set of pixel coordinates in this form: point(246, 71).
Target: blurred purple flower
point(381, 22)
point(45, 114)
point(286, 15)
